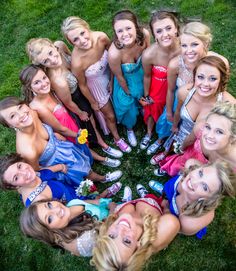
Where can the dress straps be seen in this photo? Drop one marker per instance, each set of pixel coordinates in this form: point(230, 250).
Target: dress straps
point(35, 193)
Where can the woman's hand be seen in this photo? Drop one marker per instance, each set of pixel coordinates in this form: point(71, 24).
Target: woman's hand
point(83, 115)
point(170, 117)
point(143, 101)
point(63, 168)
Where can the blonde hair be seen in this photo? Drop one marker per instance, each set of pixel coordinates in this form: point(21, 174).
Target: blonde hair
point(106, 256)
point(35, 46)
point(227, 110)
point(71, 23)
point(198, 30)
point(227, 188)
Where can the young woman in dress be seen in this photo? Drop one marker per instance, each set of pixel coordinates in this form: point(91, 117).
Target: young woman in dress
point(36, 88)
point(71, 227)
point(16, 174)
point(194, 197)
point(135, 231)
point(216, 140)
point(155, 59)
point(125, 62)
point(196, 100)
point(89, 63)
point(195, 41)
point(56, 59)
point(39, 146)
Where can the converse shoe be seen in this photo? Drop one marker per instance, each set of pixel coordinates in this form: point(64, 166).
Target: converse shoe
point(153, 147)
point(123, 145)
point(127, 194)
point(111, 162)
point(132, 138)
point(115, 175)
point(156, 186)
point(113, 152)
point(141, 190)
point(114, 189)
point(159, 172)
point(145, 142)
point(157, 158)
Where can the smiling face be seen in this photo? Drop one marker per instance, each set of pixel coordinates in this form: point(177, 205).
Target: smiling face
point(53, 214)
point(18, 116)
point(165, 32)
point(202, 182)
point(216, 135)
point(19, 174)
point(192, 48)
point(49, 57)
point(40, 83)
point(80, 37)
point(125, 232)
point(207, 80)
point(125, 32)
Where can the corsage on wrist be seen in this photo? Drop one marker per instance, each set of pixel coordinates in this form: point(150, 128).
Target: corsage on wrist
point(82, 136)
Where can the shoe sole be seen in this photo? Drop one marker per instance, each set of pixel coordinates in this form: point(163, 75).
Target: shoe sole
point(115, 156)
point(113, 166)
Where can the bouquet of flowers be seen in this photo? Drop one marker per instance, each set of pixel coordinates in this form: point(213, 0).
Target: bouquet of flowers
point(87, 190)
point(82, 136)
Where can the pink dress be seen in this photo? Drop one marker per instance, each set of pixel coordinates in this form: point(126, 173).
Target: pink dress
point(66, 120)
point(172, 164)
point(98, 77)
point(157, 92)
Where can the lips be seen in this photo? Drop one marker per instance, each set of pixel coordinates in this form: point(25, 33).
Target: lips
point(124, 222)
point(25, 117)
point(189, 185)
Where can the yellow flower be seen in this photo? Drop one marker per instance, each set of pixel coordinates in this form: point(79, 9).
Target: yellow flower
point(82, 139)
point(84, 132)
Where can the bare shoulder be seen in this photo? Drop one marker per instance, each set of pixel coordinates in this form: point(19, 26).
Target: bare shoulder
point(113, 53)
point(184, 90)
point(228, 97)
point(102, 37)
point(149, 53)
point(174, 63)
point(59, 82)
point(146, 33)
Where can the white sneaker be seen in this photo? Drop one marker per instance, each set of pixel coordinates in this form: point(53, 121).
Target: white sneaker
point(113, 152)
point(132, 138)
point(127, 194)
point(153, 147)
point(145, 142)
point(112, 176)
point(141, 190)
point(111, 162)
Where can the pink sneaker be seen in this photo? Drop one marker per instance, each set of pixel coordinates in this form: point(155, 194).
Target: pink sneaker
point(123, 145)
point(157, 158)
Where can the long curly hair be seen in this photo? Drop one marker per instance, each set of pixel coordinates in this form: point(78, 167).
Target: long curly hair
point(227, 188)
point(106, 256)
point(130, 16)
point(33, 227)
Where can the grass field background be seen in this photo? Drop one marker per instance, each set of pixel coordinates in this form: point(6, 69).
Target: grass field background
point(21, 20)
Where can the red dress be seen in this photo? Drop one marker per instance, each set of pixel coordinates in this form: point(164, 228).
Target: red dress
point(157, 92)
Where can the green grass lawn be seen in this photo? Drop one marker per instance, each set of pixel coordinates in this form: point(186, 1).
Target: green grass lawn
point(22, 20)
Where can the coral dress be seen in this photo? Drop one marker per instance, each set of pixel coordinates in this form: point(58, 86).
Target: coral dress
point(172, 164)
point(127, 106)
point(98, 77)
point(157, 92)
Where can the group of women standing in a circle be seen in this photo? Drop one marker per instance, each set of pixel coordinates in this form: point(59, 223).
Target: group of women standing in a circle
point(180, 88)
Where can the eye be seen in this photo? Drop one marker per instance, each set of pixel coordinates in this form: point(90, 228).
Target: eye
point(12, 116)
point(19, 165)
point(111, 235)
point(207, 126)
point(200, 77)
point(158, 31)
point(49, 205)
point(119, 31)
point(168, 28)
point(204, 186)
point(45, 77)
point(128, 28)
point(45, 61)
point(50, 53)
point(127, 241)
point(36, 82)
point(82, 33)
point(219, 132)
point(200, 173)
point(15, 178)
point(75, 39)
point(50, 219)
point(195, 44)
point(184, 45)
point(212, 79)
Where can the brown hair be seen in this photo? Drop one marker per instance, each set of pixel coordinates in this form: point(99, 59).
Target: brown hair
point(33, 227)
point(219, 64)
point(5, 162)
point(161, 15)
point(26, 77)
point(128, 15)
point(6, 103)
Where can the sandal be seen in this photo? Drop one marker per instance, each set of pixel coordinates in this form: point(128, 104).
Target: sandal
point(157, 158)
point(156, 186)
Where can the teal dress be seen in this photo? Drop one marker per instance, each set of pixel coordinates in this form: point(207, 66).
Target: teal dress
point(127, 106)
point(99, 212)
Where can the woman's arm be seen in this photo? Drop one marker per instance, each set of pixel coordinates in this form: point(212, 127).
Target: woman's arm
point(115, 66)
point(62, 91)
point(147, 37)
point(147, 68)
point(191, 225)
point(172, 73)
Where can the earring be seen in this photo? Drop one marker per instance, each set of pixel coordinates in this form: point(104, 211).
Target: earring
point(16, 129)
point(200, 199)
point(35, 94)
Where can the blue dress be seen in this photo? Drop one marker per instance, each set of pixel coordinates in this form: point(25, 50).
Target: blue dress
point(76, 157)
point(126, 106)
point(171, 192)
point(60, 189)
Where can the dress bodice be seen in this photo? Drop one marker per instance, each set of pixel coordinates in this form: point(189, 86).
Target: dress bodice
point(185, 76)
point(99, 68)
point(159, 73)
point(72, 82)
point(86, 242)
point(131, 67)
